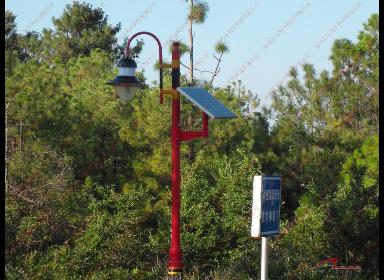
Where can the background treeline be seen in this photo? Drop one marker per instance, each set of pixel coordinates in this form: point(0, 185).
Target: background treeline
point(88, 179)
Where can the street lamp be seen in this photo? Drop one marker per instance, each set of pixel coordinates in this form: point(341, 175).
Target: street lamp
point(126, 85)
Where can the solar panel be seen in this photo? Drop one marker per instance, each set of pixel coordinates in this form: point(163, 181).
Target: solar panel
point(206, 102)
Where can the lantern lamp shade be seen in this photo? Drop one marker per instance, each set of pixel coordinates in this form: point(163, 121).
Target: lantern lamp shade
point(126, 83)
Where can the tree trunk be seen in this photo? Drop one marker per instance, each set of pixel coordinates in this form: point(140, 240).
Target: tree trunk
point(191, 46)
point(191, 144)
point(6, 147)
point(191, 151)
point(216, 69)
point(21, 136)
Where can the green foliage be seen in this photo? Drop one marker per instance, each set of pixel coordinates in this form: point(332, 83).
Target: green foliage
point(307, 237)
point(198, 11)
point(216, 212)
point(321, 120)
point(30, 46)
point(10, 46)
point(79, 30)
point(354, 208)
point(221, 47)
point(135, 50)
point(10, 29)
point(117, 228)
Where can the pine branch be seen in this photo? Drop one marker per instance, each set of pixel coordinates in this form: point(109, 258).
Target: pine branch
point(203, 71)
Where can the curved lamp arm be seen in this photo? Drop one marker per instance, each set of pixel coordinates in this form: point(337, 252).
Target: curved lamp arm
point(126, 55)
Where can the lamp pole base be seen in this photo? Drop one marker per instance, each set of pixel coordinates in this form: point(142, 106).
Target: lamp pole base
point(174, 275)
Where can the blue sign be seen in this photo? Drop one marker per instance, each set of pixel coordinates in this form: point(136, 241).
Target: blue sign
point(270, 205)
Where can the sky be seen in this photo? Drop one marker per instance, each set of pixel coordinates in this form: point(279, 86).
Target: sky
point(265, 38)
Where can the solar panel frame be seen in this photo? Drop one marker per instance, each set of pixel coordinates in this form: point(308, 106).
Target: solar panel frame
point(206, 102)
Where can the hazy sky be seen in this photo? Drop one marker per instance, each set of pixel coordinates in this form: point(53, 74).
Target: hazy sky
point(265, 38)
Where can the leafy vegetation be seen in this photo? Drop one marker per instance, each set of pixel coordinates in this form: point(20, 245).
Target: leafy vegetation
point(87, 178)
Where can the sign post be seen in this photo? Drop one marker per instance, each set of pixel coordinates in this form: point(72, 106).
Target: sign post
point(264, 259)
point(266, 202)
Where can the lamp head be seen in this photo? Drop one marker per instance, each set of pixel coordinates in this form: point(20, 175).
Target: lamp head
point(126, 83)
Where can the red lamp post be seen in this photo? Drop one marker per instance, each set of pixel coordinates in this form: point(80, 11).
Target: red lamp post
point(124, 82)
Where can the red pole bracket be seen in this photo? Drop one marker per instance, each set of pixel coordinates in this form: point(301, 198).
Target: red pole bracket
point(190, 135)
